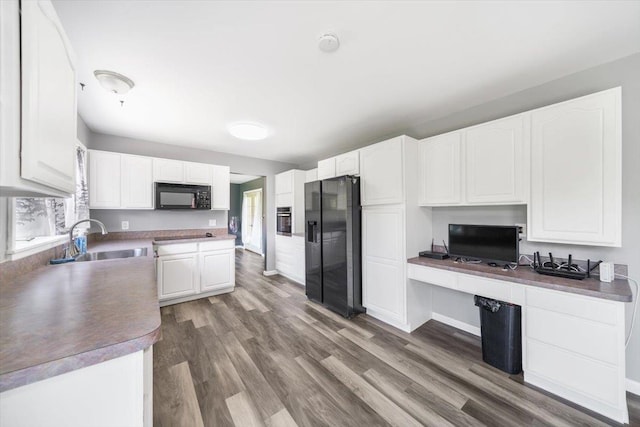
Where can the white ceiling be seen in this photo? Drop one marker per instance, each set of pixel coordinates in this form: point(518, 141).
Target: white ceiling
point(201, 65)
point(237, 178)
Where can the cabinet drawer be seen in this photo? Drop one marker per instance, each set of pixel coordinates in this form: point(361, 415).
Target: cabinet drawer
point(181, 248)
point(217, 244)
point(434, 276)
point(485, 287)
point(591, 378)
point(595, 340)
point(575, 305)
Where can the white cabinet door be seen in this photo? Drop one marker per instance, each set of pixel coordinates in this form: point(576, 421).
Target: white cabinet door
point(348, 163)
point(221, 188)
point(104, 180)
point(197, 173)
point(166, 170)
point(496, 161)
point(576, 171)
point(327, 168)
point(284, 182)
point(217, 270)
point(177, 275)
point(439, 170)
point(383, 263)
point(136, 182)
point(381, 173)
point(48, 99)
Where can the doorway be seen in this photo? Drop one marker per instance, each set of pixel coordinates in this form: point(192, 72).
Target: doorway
point(252, 220)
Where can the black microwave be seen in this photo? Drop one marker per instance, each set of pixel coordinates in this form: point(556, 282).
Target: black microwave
point(183, 196)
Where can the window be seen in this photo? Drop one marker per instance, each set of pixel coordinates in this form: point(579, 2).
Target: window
point(41, 222)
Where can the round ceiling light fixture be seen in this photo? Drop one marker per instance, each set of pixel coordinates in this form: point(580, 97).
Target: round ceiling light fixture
point(114, 82)
point(328, 43)
point(249, 131)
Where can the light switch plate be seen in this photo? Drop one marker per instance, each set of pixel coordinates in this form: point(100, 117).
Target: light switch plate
point(212, 223)
point(125, 225)
point(523, 230)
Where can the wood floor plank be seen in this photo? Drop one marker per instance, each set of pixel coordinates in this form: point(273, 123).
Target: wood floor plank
point(420, 374)
point(359, 412)
point(213, 406)
point(491, 388)
point(260, 391)
point(243, 411)
point(388, 410)
point(281, 419)
point(422, 413)
point(174, 398)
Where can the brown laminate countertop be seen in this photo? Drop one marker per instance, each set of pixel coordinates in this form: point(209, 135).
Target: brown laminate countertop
point(618, 290)
point(191, 239)
point(60, 318)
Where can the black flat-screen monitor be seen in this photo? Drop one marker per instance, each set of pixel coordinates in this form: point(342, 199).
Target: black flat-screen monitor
point(490, 243)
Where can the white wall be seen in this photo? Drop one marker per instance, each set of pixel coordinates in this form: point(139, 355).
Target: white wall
point(238, 164)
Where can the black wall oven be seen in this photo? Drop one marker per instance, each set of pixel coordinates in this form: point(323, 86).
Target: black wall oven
point(182, 196)
point(283, 225)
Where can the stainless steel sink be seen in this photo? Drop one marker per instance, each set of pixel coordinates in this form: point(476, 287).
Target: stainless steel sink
point(125, 253)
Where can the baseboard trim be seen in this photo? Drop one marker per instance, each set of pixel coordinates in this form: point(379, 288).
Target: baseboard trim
point(270, 273)
point(474, 330)
point(293, 279)
point(633, 387)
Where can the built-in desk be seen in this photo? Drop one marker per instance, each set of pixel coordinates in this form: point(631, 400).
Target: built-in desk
point(573, 332)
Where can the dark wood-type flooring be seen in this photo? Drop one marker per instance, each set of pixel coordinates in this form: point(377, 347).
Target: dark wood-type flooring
point(265, 356)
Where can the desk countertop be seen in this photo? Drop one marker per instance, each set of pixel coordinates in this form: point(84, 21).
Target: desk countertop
point(618, 290)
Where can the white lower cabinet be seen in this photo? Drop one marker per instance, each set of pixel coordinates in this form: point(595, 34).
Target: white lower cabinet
point(574, 346)
point(290, 257)
point(217, 270)
point(177, 275)
point(383, 264)
point(188, 271)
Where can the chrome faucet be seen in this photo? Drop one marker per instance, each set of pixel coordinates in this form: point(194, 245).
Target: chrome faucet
point(72, 250)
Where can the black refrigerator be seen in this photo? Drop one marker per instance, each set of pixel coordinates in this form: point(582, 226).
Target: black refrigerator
point(332, 244)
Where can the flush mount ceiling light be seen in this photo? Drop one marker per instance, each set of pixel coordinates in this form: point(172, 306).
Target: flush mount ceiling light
point(248, 131)
point(328, 43)
point(114, 82)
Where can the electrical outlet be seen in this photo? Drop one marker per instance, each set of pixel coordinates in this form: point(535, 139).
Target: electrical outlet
point(212, 223)
point(125, 225)
point(523, 230)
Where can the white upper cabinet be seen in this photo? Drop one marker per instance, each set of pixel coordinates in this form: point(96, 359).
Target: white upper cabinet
point(576, 179)
point(104, 180)
point(348, 163)
point(284, 182)
point(311, 175)
point(221, 188)
point(48, 99)
point(439, 170)
point(497, 161)
point(327, 168)
point(382, 173)
point(136, 182)
point(166, 170)
point(198, 173)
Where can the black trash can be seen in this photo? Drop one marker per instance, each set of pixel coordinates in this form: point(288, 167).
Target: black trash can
point(501, 330)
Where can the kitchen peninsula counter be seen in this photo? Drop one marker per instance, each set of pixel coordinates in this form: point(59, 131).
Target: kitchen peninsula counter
point(60, 318)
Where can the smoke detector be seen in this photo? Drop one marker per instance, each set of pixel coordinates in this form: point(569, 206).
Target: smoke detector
point(328, 43)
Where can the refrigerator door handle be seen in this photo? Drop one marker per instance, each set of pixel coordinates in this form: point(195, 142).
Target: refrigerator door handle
point(311, 231)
